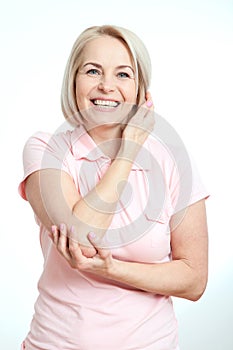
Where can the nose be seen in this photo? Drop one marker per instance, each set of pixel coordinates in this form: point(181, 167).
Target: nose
point(106, 84)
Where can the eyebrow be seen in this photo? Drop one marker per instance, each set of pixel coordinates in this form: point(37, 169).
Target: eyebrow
point(118, 67)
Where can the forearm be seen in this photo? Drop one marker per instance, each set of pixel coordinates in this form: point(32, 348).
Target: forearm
point(175, 278)
point(186, 275)
point(96, 209)
point(55, 200)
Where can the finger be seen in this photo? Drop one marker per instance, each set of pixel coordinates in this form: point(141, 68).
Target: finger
point(142, 112)
point(137, 119)
point(144, 119)
point(55, 234)
point(103, 253)
point(148, 96)
point(62, 244)
point(149, 101)
point(75, 250)
point(50, 235)
point(88, 252)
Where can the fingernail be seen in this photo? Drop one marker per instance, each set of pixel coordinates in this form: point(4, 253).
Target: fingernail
point(53, 228)
point(72, 229)
point(149, 103)
point(92, 235)
point(62, 226)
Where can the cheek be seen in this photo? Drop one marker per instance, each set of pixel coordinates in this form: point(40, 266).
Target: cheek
point(130, 93)
point(82, 91)
point(79, 100)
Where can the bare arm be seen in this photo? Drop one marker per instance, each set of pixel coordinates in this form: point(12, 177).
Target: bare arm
point(54, 198)
point(185, 276)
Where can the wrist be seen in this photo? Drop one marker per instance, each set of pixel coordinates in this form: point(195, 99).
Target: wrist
point(128, 150)
point(115, 270)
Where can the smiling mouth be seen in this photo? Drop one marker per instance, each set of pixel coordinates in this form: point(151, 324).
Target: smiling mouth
point(105, 103)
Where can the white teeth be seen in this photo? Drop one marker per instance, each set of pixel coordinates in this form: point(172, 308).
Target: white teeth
point(105, 103)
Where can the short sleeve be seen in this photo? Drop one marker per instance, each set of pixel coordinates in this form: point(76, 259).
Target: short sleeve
point(44, 151)
point(186, 187)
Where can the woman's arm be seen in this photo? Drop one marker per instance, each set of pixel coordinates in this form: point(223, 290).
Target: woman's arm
point(185, 276)
point(54, 197)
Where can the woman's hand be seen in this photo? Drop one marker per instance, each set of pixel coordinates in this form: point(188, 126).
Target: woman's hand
point(99, 263)
point(88, 252)
point(141, 124)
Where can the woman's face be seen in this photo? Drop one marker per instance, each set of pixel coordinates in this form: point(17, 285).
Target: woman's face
point(105, 82)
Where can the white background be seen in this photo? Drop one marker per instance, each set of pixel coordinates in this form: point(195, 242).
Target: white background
point(191, 46)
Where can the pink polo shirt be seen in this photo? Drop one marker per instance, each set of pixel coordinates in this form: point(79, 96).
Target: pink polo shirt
point(82, 311)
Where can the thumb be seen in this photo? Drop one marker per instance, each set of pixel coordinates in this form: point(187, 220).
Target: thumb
point(103, 252)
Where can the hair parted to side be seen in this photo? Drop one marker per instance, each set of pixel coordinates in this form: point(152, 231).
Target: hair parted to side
point(139, 56)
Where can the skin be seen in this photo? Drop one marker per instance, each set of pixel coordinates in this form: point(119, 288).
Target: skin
point(186, 275)
point(114, 73)
point(106, 74)
point(51, 192)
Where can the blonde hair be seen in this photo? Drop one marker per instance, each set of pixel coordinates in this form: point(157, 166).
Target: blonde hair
point(139, 56)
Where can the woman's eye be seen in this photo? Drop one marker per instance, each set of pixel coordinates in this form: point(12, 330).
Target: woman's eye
point(123, 75)
point(93, 71)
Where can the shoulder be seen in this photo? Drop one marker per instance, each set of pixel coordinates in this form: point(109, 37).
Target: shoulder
point(38, 137)
point(46, 140)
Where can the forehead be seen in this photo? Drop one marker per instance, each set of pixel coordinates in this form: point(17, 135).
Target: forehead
point(107, 49)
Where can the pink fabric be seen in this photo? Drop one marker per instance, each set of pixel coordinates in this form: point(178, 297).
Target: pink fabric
point(81, 311)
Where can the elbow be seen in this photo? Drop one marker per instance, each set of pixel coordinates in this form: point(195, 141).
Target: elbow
point(196, 295)
point(197, 289)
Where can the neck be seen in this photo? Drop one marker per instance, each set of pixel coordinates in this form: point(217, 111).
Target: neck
point(108, 138)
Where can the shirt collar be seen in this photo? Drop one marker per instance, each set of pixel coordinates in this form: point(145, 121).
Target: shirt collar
point(84, 147)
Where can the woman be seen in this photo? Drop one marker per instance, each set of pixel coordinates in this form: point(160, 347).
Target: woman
point(122, 220)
